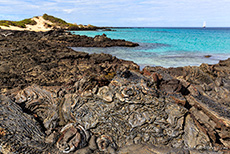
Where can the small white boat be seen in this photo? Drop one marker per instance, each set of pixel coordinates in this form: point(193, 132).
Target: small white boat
point(204, 24)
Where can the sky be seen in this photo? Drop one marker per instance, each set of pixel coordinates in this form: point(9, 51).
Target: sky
point(124, 13)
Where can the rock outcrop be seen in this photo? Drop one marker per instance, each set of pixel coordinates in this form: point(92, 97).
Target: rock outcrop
point(45, 59)
point(208, 96)
point(56, 100)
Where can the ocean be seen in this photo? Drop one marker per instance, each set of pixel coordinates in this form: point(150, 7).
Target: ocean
point(167, 47)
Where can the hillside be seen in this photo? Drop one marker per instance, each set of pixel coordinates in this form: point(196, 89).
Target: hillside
point(43, 23)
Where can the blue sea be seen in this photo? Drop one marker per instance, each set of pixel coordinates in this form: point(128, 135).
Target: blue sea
point(167, 47)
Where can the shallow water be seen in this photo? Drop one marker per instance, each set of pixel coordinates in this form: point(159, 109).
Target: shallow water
point(167, 47)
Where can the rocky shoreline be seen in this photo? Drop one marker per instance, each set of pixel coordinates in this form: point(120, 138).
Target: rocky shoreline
point(56, 100)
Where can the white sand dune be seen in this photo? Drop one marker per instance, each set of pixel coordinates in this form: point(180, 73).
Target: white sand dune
point(42, 25)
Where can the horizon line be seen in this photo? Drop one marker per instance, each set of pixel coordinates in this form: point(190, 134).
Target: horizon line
point(159, 27)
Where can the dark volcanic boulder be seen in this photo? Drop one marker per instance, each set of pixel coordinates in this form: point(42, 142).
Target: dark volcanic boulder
point(129, 110)
point(100, 38)
point(207, 96)
point(43, 59)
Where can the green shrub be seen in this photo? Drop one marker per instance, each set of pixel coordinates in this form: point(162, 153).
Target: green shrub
point(73, 26)
point(57, 21)
point(21, 23)
point(5, 23)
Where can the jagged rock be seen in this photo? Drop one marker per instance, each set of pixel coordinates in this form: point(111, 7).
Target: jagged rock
point(207, 96)
point(41, 103)
point(138, 113)
point(106, 143)
point(194, 137)
point(72, 137)
point(134, 115)
point(44, 58)
point(152, 149)
point(100, 38)
point(105, 94)
point(85, 150)
point(18, 130)
point(173, 86)
point(183, 109)
point(92, 143)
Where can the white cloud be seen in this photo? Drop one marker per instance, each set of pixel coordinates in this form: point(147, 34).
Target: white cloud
point(34, 6)
point(121, 12)
point(68, 10)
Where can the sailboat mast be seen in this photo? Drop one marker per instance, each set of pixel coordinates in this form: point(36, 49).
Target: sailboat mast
point(204, 24)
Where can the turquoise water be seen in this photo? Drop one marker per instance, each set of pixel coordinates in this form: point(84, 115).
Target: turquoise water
point(167, 47)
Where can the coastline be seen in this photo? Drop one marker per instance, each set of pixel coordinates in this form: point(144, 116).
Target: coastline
point(103, 103)
point(153, 60)
point(168, 47)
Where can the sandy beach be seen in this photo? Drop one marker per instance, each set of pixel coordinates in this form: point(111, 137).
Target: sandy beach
point(40, 26)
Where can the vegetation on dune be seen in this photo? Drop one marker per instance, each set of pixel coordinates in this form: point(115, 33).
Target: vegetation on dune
point(21, 23)
point(57, 21)
point(64, 24)
point(73, 26)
